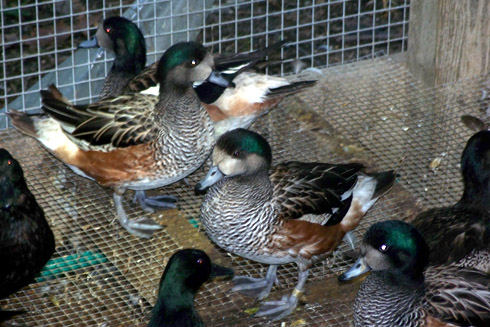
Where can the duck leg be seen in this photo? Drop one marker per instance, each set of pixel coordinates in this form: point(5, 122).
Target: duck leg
point(142, 227)
point(279, 309)
point(153, 203)
point(256, 287)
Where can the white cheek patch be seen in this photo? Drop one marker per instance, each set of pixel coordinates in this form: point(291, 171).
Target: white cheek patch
point(230, 166)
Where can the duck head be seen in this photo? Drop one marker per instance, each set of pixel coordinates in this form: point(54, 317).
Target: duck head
point(475, 169)
point(11, 180)
point(123, 38)
point(185, 64)
point(239, 152)
point(394, 247)
point(184, 274)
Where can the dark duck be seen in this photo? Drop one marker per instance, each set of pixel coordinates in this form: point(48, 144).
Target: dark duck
point(258, 212)
point(403, 290)
point(26, 240)
point(184, 274)
point(461, 233)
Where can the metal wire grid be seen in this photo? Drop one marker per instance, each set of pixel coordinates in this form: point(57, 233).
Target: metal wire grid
point(372, 111)
point(39, 39)
point(322, 32)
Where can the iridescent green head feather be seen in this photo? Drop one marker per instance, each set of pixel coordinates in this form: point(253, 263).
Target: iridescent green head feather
point(124, 38)
point(241, 140)
point(186, 53)
point(402, 243)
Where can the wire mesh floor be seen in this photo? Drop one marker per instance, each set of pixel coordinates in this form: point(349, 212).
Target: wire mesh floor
point(372, 111)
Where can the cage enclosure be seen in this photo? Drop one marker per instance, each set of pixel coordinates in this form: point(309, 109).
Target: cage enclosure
point(386, 96)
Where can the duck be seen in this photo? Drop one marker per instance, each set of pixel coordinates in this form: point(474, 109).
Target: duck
point(122, 37)
point(184, 274)
point(260, 212)
point(26, 239)
point(133, 141)
point(404, 290)
point(249, 95)
point(460, 233)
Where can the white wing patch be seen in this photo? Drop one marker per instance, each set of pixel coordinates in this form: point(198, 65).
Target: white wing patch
point(364, 191)
point(52, 136)
point(154, 90)
point(250, 87)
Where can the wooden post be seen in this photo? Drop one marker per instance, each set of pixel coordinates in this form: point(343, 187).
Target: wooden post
point(449, 40)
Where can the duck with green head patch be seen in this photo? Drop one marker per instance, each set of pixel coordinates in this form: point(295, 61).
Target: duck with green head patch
point(184, 274)
point(293, 212)
point(26, 240)
point(403, 291)
point(461, 233)
point(123, 38)
point(250, 95)
point(134, 141)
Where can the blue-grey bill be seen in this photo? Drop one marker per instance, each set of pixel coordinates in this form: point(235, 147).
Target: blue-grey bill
point(213, 176)
point(92, 43)
point(359, 268)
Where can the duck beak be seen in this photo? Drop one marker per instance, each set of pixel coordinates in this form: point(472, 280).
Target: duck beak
point(213, 176)
point(92, 43)
point(220, 271)
point(220, 79)
point(6, 194)
point(359, 268)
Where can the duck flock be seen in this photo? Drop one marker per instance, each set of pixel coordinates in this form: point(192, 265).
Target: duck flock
point(155, 125)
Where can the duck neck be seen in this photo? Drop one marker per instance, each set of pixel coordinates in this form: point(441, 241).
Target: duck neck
point(408, 279)
point(258, 183)
point(381, 292)
point(173, 299)
point(182, 102)
point(476, 197)
point(128, 66)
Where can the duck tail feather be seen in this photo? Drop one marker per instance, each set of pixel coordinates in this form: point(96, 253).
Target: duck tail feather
point(384, 182)
point(58, 107)
point(56, 94)
point(292, 88)
point(23, 122)
point(370, 187)
point(248, 60)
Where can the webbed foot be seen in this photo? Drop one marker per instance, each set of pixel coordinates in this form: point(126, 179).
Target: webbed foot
point(278, 309)
point(256, 287)
point(154, 203)
point(142, 227)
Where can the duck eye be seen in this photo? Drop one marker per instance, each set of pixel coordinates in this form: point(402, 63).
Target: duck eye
point(200, 261)
point(108, 30)
point(237, 153)
point(9, 162)
point(194, 62)
point(383, 248)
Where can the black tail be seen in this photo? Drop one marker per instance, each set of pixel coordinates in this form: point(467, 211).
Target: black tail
point(23, 122)
point(59, 108)
point(292, 88)
point(225, 62)
point(384, 182)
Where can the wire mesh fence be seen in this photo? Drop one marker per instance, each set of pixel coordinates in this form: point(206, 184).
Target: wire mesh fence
point(373, 111)
point(39, 39)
